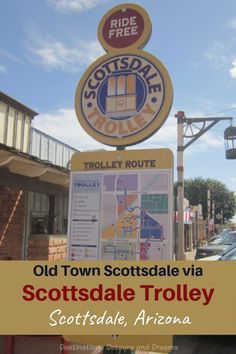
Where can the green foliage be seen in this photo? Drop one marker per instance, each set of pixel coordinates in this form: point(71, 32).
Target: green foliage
point(195, 190)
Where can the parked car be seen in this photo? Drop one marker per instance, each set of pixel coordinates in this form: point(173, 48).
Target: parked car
point(216, 248)
point(217, 237)
point(228, 255)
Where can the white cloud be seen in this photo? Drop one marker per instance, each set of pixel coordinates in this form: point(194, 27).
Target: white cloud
point(232, 24)
point(165, 137)
point(233, 70)
point(3, 69)
point(74, 5)
point(218, 54)
point(213, 139)
point(222, 55)
point(56, 55)
point(10, 56)
point(64, 126)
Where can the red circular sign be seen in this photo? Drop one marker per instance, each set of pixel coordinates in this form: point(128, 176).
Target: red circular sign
point(123, 28)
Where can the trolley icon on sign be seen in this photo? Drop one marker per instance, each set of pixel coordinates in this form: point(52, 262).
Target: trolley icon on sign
point(121, 100)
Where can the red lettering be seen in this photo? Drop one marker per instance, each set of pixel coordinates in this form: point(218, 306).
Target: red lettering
point(26, 290)
point(169, 294)
point(146, 293)
point(96, 293)
point(129, 294)
point(38, 294)
point(54, 294)
point(83, 294)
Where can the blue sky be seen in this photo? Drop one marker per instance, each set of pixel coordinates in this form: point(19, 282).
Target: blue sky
point(46, 45)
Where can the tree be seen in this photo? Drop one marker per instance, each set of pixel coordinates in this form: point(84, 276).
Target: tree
point(195, 190)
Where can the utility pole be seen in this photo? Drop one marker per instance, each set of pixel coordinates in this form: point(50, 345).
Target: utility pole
point(192, 129)
point(213, 215)
point(180, 185)
point(208, 213)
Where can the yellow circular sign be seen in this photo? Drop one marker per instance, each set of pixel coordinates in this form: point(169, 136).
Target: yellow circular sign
point(126, 26)
point(123, 99)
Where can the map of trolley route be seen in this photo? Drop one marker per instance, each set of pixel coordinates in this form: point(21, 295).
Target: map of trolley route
point(135, 216)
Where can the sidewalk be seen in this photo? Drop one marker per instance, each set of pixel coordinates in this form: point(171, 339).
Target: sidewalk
point(189, 256)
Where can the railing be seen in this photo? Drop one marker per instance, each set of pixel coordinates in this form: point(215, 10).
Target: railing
point(50, 149)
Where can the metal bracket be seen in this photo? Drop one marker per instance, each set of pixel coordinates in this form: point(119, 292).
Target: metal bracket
point(203, 130)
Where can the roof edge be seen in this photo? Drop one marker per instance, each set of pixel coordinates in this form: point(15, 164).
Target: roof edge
point(17, 105)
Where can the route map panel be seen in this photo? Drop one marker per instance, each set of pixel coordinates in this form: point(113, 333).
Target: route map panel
point(121, 215)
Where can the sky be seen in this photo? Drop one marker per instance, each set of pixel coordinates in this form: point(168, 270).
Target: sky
point(46, 45)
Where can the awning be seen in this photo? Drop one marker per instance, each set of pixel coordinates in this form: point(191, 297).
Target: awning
point(15, 162)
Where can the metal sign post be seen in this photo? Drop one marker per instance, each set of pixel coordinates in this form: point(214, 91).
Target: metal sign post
point(121, 203)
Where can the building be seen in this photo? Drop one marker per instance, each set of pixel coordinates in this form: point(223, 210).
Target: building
point(34, 182)
point(34, 186)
